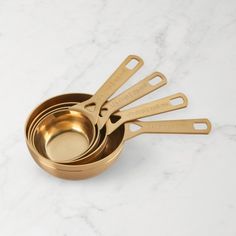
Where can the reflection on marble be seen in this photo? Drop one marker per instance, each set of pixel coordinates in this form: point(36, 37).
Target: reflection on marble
point(162, 184)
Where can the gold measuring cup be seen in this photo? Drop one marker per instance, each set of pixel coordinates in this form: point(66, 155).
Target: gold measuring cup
point(55, 122)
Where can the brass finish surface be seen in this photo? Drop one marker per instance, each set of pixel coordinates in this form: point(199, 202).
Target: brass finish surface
point(110, 154)
point(47, 111)
point(43, 115)
point(54, 124)
point(87, 142)
point(54, 101)
point(130, 95)
point(186, 126)
point(91, 108)
point(114, 147)
point(152, 108)
point(77, 136)
point(63, 135)
point(135, 92)
point(63, 108)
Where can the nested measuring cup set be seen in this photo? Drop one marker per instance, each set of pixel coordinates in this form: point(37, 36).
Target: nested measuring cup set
point(76, 136)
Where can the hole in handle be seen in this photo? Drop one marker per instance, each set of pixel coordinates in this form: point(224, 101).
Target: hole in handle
point(114, 119)
point(134, 127)
point(200, 126)
point(176, 101)
point(154, 81)
point(103, 112)
point(91, 107)
point(132, 64)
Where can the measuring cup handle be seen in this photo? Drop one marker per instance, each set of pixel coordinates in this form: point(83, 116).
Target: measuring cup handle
point(153, 108)
point(187, 126)
point(114, 82)
point(145, 86)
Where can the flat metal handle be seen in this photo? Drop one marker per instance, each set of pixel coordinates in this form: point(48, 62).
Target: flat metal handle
point(142, 88)
point(187, 126)
point(153, 108)
point(92, 106)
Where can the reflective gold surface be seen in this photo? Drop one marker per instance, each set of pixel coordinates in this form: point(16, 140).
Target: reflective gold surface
point(45, 112)
point(70, 144)
point(114, 146)
point(63, 135)
point(111, 151)
point(70, 97)
point(73, 130)
point(143, 87)
point(63, 107)
point(50, 145)
point(54, 101)
point(40, 158)
point(92, 107)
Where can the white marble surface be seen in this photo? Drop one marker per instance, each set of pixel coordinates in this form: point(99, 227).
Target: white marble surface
point(162, 184)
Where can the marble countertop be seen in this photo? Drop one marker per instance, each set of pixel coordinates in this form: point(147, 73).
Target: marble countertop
point(162, 184)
